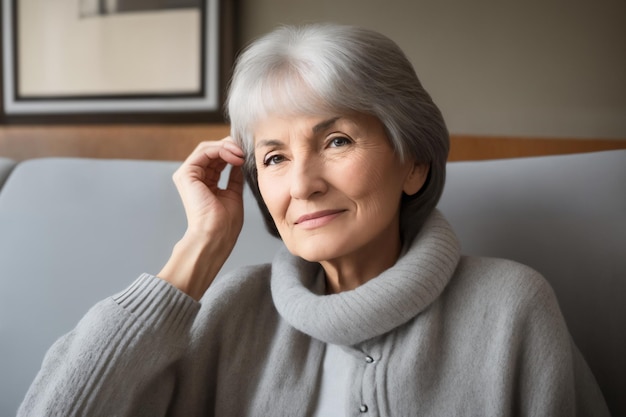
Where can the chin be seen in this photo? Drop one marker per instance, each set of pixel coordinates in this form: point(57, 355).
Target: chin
point(314, 253)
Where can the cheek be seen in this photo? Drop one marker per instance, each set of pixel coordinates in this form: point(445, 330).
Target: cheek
point(378, 203)
point(369, 182)
point(265, 191)
point(379, 192)
point(271, 194)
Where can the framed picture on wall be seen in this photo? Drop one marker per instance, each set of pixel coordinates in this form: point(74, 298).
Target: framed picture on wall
point(115, 60)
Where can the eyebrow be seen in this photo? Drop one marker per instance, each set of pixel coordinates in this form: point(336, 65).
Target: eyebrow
point(268, 143)
point(321, 126)
point(324, 124)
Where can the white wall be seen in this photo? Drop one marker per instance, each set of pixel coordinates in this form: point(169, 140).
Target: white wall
point(529, 68)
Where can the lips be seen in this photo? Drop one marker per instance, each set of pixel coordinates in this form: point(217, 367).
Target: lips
point(318, 218)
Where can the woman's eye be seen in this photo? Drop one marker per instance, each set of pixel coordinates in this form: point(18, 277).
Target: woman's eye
point(273, 159)
point(339, 141)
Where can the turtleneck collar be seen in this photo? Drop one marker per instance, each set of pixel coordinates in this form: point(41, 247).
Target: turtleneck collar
point(385, 302)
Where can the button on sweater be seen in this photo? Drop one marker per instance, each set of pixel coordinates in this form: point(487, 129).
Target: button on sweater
point(448, 335)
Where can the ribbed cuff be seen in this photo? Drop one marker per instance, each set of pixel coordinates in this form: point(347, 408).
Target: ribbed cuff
point(158, 304)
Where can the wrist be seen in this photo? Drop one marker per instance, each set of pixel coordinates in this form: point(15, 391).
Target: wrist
point(194, 264)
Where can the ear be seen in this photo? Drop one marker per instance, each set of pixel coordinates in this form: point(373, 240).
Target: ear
point(416, 178)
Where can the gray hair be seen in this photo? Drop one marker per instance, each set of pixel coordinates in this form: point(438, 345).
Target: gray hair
point(328, 69)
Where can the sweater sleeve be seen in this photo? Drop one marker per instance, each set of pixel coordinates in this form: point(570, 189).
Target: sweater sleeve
point(120, 359)
point(554, 378)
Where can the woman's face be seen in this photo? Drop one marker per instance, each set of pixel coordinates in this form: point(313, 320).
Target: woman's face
point(333, 186)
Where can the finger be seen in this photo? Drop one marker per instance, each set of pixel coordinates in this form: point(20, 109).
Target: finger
point(230, 144)
point(226, 143)
point(215, 168)
point(235, 180)
point(209, 159)
point(208, 152)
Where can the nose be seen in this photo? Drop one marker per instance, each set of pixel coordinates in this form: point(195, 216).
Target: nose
point(307, 178)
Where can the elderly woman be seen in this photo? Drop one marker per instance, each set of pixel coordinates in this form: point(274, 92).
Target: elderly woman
point(369, 308)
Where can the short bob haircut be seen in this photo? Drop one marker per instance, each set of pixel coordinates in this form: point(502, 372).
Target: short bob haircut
point(335, 70)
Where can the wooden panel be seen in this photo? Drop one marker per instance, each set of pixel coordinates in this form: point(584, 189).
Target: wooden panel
point(470, 147)
point(161, 142)
point(174, 142)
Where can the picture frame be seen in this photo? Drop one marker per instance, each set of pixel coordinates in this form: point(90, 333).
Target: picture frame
point(80, 61)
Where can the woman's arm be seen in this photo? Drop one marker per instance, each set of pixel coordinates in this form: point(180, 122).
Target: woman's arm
point(214, 216)
point(120, 359)
point(109, 363)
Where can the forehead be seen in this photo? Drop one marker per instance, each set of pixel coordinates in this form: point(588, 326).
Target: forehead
point(314, 124)
point(279, 128)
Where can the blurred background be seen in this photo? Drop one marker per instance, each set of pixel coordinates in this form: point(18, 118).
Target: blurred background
point(511, 78)
point(532, 68)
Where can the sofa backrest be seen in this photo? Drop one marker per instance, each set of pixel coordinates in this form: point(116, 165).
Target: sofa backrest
point(6, 166)
point(74, 231)
point(565, 216)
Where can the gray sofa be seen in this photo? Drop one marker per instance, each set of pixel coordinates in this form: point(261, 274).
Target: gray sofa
point(73, 231)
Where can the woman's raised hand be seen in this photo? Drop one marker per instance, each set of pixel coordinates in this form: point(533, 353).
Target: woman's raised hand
point(214, 215)
point(209, 209)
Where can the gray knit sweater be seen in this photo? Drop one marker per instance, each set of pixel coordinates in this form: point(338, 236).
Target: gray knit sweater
point(448, 335)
